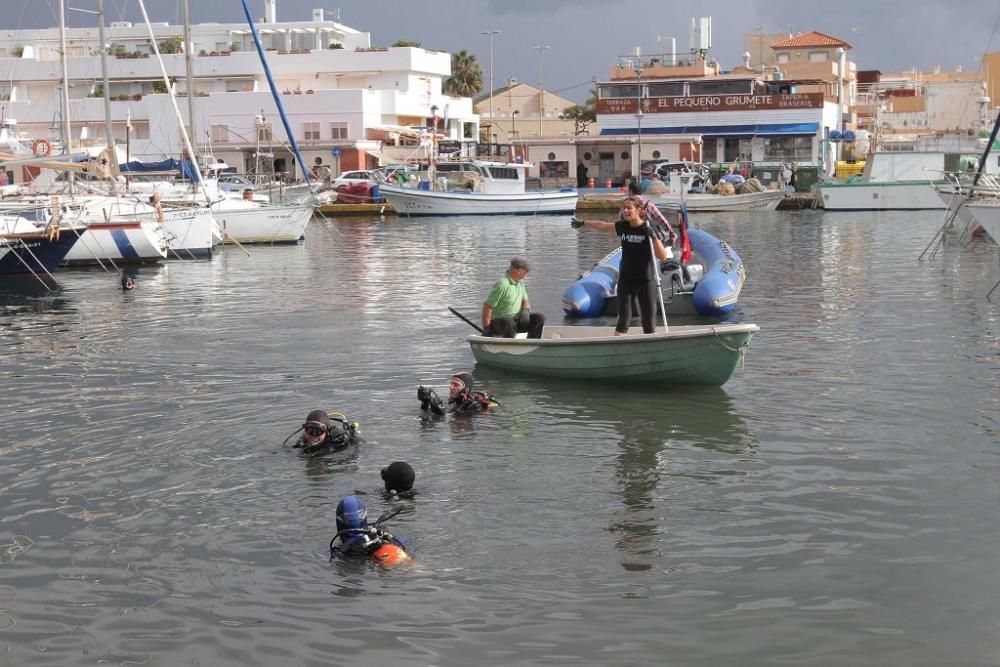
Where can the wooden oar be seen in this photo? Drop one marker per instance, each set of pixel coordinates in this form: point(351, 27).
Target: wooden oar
point(466, 319)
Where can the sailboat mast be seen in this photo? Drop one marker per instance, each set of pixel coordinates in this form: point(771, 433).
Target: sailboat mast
point(67, 132)
point(104, 75)
point(189, 69)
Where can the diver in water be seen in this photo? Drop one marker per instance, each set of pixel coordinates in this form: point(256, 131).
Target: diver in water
point(462, 399)
point(326, 432)
point(359, 540)
point(398, 477)
point(128, 283)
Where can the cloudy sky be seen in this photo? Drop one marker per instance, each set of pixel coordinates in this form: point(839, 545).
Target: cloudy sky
point(587, 36)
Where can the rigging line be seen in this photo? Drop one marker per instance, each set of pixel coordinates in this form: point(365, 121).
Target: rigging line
point(559, 90)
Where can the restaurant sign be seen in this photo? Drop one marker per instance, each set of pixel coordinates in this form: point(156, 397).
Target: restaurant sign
point(711, 103)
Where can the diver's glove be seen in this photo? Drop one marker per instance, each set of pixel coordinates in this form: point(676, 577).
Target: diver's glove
point(575, 222)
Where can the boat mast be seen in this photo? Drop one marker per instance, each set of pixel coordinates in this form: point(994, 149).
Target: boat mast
point(66, 129)
point(107, 89)
point(189, 68)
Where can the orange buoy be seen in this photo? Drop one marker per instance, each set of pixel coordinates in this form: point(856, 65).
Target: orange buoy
point(390, 556)
point(41, 147)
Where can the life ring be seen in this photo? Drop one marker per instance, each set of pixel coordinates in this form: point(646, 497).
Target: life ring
point(41, 147)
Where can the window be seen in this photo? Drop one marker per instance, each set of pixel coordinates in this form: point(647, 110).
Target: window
point(615, 90)
point(552, 156)
point(817, 56)
point(784, 58)
point(788, 148)
point(338, 129)
point(656, 155)
point(310, 131)
point(673, 89)
point(505, 173)
point(220, 133)
point(740, 87)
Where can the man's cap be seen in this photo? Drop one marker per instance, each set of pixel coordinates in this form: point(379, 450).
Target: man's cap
point(518, 263)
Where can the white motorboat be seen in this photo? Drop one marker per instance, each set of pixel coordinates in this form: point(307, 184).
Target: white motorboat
point(243, 221)
point(765, 200)
point(474, 187)
point(987, 213)
point(894, 181)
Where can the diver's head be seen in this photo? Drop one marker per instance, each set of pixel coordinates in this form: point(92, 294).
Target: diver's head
point(316, 428)
point(460, 383)
point(128, 282)
point(398, 477)
point(351, 515)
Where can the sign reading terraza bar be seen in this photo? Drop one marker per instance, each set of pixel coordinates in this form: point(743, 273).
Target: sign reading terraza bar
point(711, 103)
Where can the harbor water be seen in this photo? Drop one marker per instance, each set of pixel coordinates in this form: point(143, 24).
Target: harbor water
point(835, 503)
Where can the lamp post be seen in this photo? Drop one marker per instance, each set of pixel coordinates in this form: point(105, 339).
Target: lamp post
point(638, 120)
point(490, 34)
point(541, 86)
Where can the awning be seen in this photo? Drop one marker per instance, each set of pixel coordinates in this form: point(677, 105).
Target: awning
point(723, 130)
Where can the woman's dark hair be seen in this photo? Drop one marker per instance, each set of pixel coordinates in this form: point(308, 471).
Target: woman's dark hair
point(634, 188)
point(637, 203)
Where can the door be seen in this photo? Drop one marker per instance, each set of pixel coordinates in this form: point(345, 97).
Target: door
point(606, 169)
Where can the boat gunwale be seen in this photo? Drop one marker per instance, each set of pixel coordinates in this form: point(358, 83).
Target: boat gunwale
point(674, 333)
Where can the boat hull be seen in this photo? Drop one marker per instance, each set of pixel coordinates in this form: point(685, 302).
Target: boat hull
point(272, 224)
point(413, 202)
point(45, 254)
point(987, 214)
point(190, 232)
point(887, 196)
point(685, 355)
point(767, 200)
point(122, 242)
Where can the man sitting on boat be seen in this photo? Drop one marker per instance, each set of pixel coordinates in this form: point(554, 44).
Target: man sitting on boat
point(507, 310)
point(462, 399)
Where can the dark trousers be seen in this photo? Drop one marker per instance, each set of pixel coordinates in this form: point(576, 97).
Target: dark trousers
point(645, 292)
point(506, 327)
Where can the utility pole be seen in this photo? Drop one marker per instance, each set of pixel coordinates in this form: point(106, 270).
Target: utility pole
point(541, 86)
point(490, 34)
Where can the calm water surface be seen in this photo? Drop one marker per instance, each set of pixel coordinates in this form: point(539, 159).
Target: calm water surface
point(835, 503)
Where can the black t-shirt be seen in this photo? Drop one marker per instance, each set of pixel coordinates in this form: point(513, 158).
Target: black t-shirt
point(637, 257)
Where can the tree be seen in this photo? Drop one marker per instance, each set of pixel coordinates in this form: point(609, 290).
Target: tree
point(406, 42)
point(581, 115)
point(466, 76)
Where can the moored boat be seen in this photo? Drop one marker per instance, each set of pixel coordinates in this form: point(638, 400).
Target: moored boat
point(708, 287)
point(474, 187)
point(683, 355)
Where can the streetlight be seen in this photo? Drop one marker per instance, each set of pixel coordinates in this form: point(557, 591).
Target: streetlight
point(490, 33)
point(541, 87)
point(638, 118)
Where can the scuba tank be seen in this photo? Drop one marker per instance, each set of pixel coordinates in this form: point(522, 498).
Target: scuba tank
point(357, 538)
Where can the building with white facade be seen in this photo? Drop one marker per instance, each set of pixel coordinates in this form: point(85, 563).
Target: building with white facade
point(346, 101)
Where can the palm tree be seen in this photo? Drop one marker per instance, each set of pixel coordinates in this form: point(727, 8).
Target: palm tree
point(466, 75)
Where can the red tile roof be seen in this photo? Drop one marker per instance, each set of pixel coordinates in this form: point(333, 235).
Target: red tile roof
point(811, 39)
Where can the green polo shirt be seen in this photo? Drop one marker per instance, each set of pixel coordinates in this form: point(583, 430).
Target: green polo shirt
point(506, 297)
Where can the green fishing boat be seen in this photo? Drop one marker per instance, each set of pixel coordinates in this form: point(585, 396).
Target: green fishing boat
point(683, 355)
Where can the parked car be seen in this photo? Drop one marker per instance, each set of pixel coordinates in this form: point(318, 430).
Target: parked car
point(352, 178)
point(234, 183)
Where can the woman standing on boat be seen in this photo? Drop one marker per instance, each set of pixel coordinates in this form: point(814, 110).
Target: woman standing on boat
point(637, 271)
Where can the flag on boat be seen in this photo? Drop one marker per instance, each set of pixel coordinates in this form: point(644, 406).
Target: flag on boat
point(682, 224)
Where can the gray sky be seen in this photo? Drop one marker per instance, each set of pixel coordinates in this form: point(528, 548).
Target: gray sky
point(586, 36)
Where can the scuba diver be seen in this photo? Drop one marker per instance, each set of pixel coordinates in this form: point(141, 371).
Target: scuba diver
point(128, 283)
point(358, 539)
point(398, 477)
point(462, 400)
point(326, 432)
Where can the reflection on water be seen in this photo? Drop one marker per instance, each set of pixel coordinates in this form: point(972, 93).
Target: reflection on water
point(151, 514)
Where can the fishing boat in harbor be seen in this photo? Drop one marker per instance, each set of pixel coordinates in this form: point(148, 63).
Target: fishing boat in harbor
point(472, 187)
point(764, 200)
point(680, 355)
